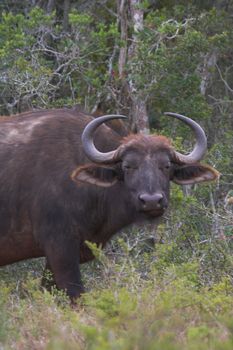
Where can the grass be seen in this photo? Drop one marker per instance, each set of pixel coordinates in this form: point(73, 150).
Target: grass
point(136, 300)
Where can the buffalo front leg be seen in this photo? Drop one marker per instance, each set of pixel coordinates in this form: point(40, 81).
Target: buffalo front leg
point(48, 281)
point(63, 261)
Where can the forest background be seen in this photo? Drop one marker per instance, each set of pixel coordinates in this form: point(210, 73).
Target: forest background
point(168, 287)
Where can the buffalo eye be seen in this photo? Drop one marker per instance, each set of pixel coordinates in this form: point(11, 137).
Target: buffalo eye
point(128, 166)
point(168, 166)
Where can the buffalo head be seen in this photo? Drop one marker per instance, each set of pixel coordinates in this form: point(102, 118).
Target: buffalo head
point(144, 166)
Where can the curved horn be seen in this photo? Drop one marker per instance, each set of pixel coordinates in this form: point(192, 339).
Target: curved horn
point(201, 141)
point(87, 140)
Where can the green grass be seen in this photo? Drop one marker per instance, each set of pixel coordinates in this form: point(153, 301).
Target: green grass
point(135, 300)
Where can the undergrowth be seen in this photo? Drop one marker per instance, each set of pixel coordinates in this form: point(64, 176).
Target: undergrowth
point(145, 302)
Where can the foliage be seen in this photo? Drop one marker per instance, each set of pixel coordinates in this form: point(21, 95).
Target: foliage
point(43, 66)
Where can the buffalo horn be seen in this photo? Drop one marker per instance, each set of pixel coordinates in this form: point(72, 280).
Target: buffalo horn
point(87, 140)
point(201, 142)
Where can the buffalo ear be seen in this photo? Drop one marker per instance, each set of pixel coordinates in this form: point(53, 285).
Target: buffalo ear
point(98, 175)
point(195, 173)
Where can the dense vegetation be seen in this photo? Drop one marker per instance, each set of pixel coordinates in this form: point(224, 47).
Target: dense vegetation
point(165, 287)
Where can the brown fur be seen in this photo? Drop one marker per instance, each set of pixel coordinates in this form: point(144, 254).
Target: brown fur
point(52, 200)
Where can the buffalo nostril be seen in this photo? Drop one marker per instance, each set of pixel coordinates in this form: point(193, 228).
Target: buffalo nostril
point(142, 199)
point(160, 200)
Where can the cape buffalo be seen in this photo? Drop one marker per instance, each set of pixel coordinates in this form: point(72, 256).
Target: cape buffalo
point(58, 189)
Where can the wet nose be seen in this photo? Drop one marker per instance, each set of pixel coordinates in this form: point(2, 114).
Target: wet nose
point(152, 201)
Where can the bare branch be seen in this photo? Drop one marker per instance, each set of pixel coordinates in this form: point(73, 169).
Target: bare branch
point(224, 81)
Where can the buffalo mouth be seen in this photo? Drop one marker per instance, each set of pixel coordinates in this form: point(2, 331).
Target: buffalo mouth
point(153, 213)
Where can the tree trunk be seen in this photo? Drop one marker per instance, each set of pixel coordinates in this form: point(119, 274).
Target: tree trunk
point(128, 10)
point(139, 116)
point(205, 71)
point(122, 13)
point(66, 9)
point(50, 6)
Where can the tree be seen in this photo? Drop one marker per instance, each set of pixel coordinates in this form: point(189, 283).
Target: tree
point(137, 101)
point(134, 57)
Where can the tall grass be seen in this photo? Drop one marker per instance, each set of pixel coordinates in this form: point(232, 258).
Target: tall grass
point(135, 300)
